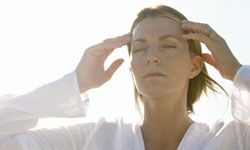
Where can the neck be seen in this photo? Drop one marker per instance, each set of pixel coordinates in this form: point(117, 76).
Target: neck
point(162, 112)
point(165, 118)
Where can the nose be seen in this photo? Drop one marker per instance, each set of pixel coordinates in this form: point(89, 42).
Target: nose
point(152, 57)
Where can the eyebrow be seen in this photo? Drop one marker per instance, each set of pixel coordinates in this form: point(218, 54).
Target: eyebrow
point(167, 37)
point(160, 39)
point(139, 40)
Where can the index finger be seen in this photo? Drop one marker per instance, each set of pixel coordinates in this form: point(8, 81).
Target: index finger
point(194, 26)
point(106, 47)
point(116, 39)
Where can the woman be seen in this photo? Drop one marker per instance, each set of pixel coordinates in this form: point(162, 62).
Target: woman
point(169, 75)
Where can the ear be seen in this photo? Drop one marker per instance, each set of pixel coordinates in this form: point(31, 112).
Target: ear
point(197, 65)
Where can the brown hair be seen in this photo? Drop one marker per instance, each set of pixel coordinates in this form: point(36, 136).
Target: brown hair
point(198, 84)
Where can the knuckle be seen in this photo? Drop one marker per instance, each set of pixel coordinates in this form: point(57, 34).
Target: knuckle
point(206, 25)
point(87, 51)
point(202, 37)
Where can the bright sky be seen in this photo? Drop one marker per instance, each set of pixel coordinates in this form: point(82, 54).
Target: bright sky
point(40, 41)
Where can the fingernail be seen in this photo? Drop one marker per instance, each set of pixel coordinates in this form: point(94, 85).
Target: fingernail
point(128, 34)
point(184, 36)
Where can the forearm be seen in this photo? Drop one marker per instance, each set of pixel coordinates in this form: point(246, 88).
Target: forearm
point(57, 99)
point(241, 95)
point(82, 83)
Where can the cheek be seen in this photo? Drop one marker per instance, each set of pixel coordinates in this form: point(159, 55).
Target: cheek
point(178, 66)
point(136, 63)
point(136, 68)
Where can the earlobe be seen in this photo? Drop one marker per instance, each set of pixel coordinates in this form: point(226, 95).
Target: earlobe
point(197, 65)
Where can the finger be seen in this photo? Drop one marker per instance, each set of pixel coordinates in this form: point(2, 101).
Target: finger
point(127, 34)
point(198, 37)
point(106, 48)
point(208, 58)
point(113, 67)
point(123, 37)
point(115, 42)
point(194, 26)
point(199, 28)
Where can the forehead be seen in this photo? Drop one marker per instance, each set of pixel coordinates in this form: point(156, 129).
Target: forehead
point(157, 27)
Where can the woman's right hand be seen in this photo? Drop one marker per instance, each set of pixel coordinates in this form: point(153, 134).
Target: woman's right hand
point(90, 71)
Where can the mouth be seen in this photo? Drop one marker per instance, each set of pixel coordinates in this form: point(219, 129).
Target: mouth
point(154, 75)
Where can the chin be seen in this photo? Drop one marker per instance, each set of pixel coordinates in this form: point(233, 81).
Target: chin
point(154, 93)
point(159, 92)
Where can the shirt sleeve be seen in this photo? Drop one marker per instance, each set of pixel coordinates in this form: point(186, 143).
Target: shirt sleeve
point(75, 137)
point(60, 98)
point(241, 106)
point(241, 95)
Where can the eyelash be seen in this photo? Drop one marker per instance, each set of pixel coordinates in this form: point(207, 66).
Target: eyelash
point(137, 50)
point(166, 46)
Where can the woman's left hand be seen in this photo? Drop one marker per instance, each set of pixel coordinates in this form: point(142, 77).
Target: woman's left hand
point(222, 58)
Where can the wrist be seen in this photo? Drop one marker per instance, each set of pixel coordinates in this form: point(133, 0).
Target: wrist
point(236, 68)
point(82, 84)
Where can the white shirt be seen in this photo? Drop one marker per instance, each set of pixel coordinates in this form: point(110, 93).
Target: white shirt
point(62, 99)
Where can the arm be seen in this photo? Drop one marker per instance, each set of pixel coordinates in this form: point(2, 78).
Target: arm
point(241, 106)
point(57, 99)
point(241, 95)
point(222, 59)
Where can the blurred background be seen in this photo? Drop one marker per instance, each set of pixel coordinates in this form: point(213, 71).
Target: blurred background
point(41, 41)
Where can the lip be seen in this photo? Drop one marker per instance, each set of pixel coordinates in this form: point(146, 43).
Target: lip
point(154, 75)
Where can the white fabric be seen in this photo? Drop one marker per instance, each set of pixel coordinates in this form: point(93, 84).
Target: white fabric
point(62, 99)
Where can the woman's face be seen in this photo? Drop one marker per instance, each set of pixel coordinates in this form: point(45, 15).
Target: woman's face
point(160, 59)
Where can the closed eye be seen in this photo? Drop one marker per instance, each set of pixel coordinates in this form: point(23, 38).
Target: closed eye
point(138, 50)
point(168, 46)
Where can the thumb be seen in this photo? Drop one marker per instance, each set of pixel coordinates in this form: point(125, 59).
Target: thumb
point(113, 67)
point(208, 58)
